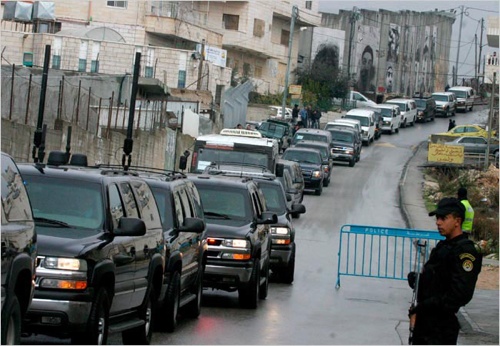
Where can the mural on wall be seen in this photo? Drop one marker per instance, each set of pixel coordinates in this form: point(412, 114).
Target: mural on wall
point(389, 78)
point(327, 54)
point(367, 57)
point(425, 60)
point(433, 59)
point(328, 44)
point(393, 43)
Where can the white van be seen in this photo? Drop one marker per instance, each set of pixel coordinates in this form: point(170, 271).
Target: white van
point(408, 109)
point(391, 117)
point(353, 123)
point(465, 97)
point(367, 120)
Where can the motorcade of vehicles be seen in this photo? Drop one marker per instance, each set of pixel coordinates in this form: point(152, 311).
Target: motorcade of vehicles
point(325, 151)
point(367, 121)
point(476, 144)
point(283, 247)
point(408, 109)
point(426, 109)
point(184, 231)
point(446, 103)
point(100, 259)
point(238, 236)
point(234, 146)
point(307, 134)
point(465, 97)
point(391, 117)
point(19, 251)
point(277, 129)
point(344, 146)
point(296, 190)
point(311, 165)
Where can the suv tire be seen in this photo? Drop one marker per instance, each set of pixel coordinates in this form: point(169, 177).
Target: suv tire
point(97, 325)
point(326, 182)
point(193, 308)
point(142, 335)
point(249, 295)
point(167, 314)
point(319, 190)
point(11, 322)
point(264, 287)
point(352, 163)
point(288, 272)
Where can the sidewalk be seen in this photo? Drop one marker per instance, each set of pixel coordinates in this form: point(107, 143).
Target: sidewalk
point(478, 319)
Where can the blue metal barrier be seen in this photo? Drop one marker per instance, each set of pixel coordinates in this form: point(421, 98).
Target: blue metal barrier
point(383, 252)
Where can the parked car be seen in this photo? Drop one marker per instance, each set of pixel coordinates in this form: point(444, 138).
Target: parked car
point(19, 251)
point(275, 113)
point(408, 110)
point(283, 246)
point(446, 103)
point(182, 218)
point(465, 97)
point(297, 179)
point(426, 109)
point(100, 257)
point(279, 130)
point(311, 165)
point(476, 144)
point(467, 130)
point(238, 236)
point(344, 146)
point(325, 151)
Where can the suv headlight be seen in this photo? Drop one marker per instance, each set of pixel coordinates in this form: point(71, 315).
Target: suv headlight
point(280, 235)
point(280, 231)
point(316, 174)
point(64, 263)
point(237, 243)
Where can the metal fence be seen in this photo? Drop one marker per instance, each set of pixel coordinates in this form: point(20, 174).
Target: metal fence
point(382, 252)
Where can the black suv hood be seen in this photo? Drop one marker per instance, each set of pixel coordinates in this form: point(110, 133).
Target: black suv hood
point(310, 166)
point(228, 228)
point(70, 245)
point(342, 144)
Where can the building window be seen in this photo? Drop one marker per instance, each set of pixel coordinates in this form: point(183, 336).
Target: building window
point(285, 37)
point(230, 21)
point(82, 65)
point(82, 56)
point(148, 72)
point(56, 62)
point(258, 27)
point(219, 89)
point(308, 5)
point(120, 4)
point(94, 66)
point(181, 81)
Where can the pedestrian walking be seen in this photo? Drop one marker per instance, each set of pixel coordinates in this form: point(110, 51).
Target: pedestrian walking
point(295, 114)
point(309, 116)
point(469, 211)
point(303, 116)
point(451, 124)
point(316, 116)
point(447, 281)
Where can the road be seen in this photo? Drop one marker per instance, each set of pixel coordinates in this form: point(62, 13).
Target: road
point(311, 310)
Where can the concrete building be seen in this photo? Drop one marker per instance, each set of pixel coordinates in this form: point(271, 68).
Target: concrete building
point(403, 52)
point(491, 60)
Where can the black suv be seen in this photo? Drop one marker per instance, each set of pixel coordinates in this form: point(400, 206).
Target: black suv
point(426, 109)
point(325, 151)
point(277, 129)
point(238, 236)
point(184, 229)
point(101, 252)
point(282, 233)
point(311, 164)
point(344, 146)
point(18, 252)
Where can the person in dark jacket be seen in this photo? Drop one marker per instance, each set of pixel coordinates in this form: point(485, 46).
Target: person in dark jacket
point(316, 115)
point(448, 279)
point(295, 113)
point(451, 124)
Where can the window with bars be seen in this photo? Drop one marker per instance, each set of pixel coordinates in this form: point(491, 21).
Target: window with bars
point(230, 21)
point(308, 5)
point(120, 4)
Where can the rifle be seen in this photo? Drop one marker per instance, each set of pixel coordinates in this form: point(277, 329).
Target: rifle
point(414, 300)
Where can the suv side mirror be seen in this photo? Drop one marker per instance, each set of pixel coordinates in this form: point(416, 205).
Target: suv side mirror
point(288, 197)
point(192, 224)
point(298, 208)
point(130, 227)
point(267, 217)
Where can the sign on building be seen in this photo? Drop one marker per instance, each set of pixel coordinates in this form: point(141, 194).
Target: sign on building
point(216, 55)
point(295, 89)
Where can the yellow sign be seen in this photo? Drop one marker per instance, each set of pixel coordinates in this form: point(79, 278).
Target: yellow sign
point(445, 153)
point(295, 89)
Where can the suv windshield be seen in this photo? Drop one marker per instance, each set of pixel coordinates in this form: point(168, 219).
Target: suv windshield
point(342, 137)
point(322, 150)
point(460, 93)
point(231, 204)
point(274, 197)
point(442, 98)
point(363, 120)
point(302, 156)
point(270, 129)
point(65, 203)
point(421, 103)
point(386, 112)
point(309, 137)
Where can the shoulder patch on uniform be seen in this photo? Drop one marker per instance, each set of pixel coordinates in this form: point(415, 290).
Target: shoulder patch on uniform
point(467, 255)
point(467, 265)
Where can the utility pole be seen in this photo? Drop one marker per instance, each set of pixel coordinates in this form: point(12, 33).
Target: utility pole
point(490, 120)
point(295, 11)
point(200, 67)
point(480, 48)
point(458, 48)
point(475, 57)
point(352, 20)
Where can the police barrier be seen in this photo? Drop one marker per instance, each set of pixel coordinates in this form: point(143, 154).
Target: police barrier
point(382, 252)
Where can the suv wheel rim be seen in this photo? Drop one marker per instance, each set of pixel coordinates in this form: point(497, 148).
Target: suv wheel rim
point(101, 326)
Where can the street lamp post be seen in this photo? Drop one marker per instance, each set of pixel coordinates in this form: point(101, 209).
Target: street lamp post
point(295, 11)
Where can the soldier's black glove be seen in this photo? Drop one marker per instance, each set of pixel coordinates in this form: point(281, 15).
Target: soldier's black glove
point(412, 277)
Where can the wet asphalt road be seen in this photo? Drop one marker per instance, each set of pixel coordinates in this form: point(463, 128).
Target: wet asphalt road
point(311, 310)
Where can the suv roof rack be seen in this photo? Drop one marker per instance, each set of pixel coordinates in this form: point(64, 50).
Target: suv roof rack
point(158, 172)
point(214, 170)
point(241, 132)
